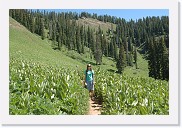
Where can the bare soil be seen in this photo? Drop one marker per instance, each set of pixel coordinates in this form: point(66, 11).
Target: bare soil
point(94, 108)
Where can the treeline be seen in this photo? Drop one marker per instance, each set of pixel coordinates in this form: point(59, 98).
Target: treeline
point(149, 36)
point(121, 43)
point(62, 29)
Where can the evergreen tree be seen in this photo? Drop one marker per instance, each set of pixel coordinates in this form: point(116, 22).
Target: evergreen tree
point(32, 24)
point(158, 59)
point(115, 50)
point(135, 57)
point(121, 60)
point(111, 48)
point(42, 29)
point(127, 57)
point(164, 60)
point(98, 51)
point(50, 30)
point(152, 59)
point(78, 44)
point(130, 59)
point(82, 38)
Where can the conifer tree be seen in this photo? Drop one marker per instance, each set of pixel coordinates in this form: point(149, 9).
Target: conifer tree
point(98, 51)
point(42, 29)
point(152, 59)
point(78, 44)
point(121, 60)
point(135, 57)
point(164, 60)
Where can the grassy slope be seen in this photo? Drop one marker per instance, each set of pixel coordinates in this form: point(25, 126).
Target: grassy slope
point(94, 24)
point(131, 71)
point(142, 68)
point(25, 45)
point(28, 46)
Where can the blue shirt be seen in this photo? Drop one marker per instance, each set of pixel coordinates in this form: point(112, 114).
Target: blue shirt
point(89, 76)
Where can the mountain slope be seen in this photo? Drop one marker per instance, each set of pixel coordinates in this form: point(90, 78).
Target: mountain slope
point(28, 46)
point(25, 45)
point(94, 24)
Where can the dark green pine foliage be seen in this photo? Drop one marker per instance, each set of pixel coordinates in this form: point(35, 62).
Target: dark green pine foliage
point(120, 64)
point(78, 43)
point(68, 34)
point(54, 36)
point(152, 58)
point(92, 41)
point(127, 56)
point(130, 57)
point(82, 38)
point(42, 29)
point(59, 38)
point(50, 30)
point(164, 60)
point(135, 57)
point(111, 48)
point(115, 49)
point(98, 50)
point(158, 55)
point(105, 45)
point(32, 23)
point(73, 35)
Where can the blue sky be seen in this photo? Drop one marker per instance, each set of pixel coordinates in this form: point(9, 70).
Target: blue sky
point(123, 13)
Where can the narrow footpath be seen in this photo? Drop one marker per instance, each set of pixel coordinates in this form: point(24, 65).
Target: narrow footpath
point(94, 108)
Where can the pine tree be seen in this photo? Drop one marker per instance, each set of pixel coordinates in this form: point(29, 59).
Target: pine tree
point(121, 60)
point(111, 48)
point(78, 44)
point(130, 59)
point(158, 59)
point(42, 29)
point(50, 30)
point(135, 57)
point(105, 45)
point(98, 51)
point(127, 57)
point(92, 41)
point(115, 50)
point(32, 24)
point(82, 38)
point(164, 60)
point(152, 59)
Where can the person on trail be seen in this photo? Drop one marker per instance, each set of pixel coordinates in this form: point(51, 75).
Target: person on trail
point(89, 80)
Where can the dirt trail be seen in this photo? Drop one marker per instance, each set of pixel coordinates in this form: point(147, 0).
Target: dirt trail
point(94, 108)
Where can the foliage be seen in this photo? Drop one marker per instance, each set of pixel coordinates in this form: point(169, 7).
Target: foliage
point(131, 95)
point(37, 89)
point(76, 31)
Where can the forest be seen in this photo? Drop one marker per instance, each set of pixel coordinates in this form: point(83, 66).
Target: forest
point(149, 36)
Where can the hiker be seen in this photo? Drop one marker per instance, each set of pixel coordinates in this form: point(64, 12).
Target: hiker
point(89, 80)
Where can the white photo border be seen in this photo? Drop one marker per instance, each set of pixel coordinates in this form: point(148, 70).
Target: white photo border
point(171, 119)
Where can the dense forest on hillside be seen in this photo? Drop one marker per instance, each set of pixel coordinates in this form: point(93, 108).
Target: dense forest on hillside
point(149, 36)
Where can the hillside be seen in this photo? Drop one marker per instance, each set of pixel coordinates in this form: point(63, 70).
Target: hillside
point(44, 81)
point(28, 46)
point(94, 23)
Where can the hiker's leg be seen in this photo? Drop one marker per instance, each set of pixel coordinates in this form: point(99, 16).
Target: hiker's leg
point(92, 89)
point(92, 95)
